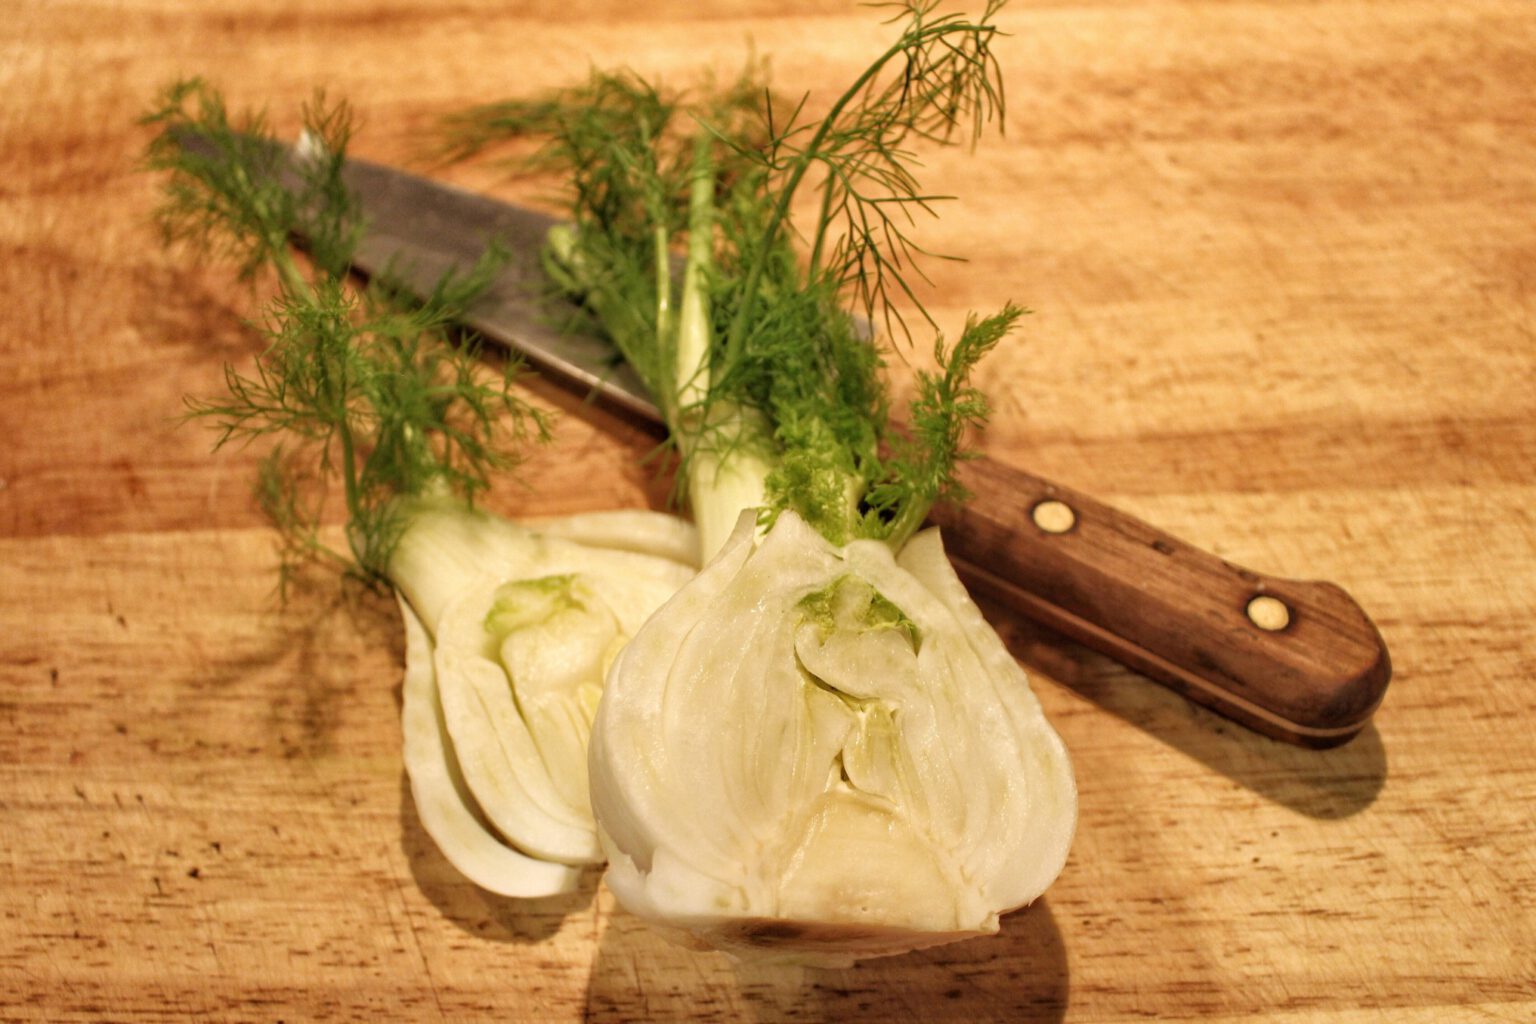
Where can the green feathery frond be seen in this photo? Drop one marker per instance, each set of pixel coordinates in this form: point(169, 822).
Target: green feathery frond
point(681, 246)
point(356, 383)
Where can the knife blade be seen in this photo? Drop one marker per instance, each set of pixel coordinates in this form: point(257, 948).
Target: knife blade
point(1295, 660)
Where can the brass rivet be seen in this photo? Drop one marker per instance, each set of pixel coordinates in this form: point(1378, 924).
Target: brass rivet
point(1053, 516)
point(1269, 613)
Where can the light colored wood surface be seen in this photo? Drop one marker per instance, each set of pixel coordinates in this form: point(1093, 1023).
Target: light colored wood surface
point(1283, 262)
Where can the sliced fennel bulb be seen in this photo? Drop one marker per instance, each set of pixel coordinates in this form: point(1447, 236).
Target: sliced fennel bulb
point(517, 629)
point(826, 753)
point(447, 811)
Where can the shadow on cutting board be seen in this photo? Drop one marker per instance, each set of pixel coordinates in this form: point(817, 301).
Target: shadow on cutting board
point(478, 912)
point(1019, 975)
point(1324, 784)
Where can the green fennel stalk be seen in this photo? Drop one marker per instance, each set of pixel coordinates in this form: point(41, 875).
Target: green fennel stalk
point(773, 394)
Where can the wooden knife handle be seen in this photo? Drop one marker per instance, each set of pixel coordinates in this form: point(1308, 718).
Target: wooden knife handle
point(1298, 661)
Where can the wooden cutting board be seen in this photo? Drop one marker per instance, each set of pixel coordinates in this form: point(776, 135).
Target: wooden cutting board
point(1282, 259)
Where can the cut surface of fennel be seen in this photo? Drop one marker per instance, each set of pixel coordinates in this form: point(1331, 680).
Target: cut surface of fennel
point(826, 753)
point(510, 629)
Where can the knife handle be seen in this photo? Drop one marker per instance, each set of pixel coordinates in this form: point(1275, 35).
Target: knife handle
point(1298, 661)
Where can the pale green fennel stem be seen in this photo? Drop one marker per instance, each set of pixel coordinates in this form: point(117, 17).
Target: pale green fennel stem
point(727, 473)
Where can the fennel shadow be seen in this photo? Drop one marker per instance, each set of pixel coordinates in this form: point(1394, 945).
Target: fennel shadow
point(1019, 975)
point(472, 909)
point(340, 616)
point(303, 651)
point(1324, 784)
point(206, 321)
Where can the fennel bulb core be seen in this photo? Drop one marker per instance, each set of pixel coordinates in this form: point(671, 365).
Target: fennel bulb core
point(511, 630)
point(825, 753)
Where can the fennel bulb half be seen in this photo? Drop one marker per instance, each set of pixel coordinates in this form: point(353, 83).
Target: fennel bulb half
point(826, 753)
point(510, 631)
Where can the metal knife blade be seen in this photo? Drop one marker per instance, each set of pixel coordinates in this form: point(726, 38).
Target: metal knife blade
point(419, 230)
point(1295, 660)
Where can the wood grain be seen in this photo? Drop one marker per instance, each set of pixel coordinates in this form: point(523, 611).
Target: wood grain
point(1283, 267)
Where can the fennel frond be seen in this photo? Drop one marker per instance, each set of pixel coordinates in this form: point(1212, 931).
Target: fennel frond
point(681, 245)
point(356, 381)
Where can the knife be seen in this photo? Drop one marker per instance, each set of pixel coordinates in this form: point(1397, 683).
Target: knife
point(1298, 661)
